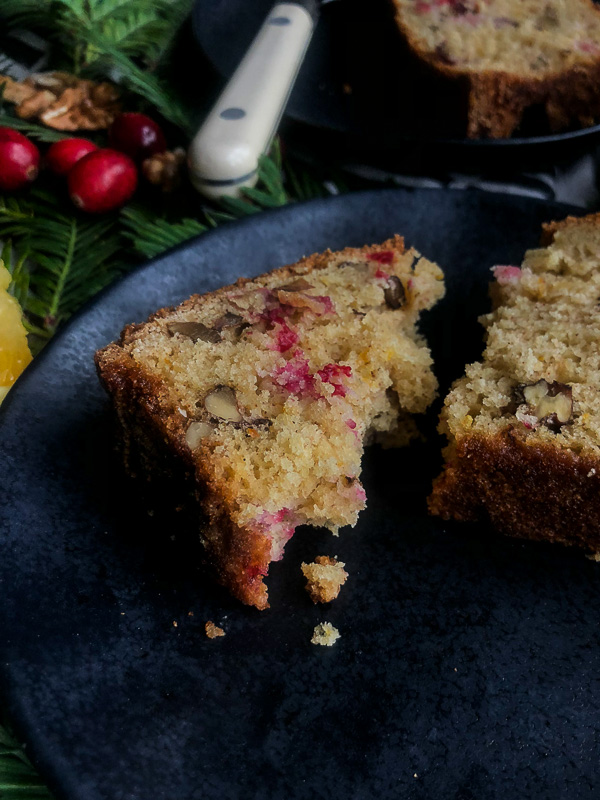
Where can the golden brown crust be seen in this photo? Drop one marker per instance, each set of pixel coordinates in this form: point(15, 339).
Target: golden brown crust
point(497, 99)
point(152, 440)
point(302, 267)
point(549, 229)
point(524, 488)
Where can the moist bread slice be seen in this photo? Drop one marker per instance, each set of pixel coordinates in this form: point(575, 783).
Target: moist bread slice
point(510, 55)
point(264, 393)
point(523, 424)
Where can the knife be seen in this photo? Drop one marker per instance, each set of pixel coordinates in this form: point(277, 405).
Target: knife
point(223, 155)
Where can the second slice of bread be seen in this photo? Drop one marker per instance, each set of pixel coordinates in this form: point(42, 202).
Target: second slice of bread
point(523, 424)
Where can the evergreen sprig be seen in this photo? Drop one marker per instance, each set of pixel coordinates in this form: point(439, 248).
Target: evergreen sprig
point(126, 41)
point(18, 778)
point(32, 129)
point(152, 236)
point(68, 257)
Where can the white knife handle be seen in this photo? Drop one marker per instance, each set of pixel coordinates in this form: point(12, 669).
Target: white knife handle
point(223, 156)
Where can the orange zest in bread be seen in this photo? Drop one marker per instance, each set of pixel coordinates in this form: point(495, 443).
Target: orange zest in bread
point(266, 391)
point(511, 55)
point(524, 423)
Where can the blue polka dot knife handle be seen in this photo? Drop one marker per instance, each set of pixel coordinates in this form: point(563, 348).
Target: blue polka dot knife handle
point(223, 156)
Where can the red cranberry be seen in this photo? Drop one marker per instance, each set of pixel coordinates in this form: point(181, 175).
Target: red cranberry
point(19, 160)
point(102, 181)
point(136, 135)
point(382, 256)
point(65, 154)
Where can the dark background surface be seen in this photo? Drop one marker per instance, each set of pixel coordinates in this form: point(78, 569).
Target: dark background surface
point(468, 664)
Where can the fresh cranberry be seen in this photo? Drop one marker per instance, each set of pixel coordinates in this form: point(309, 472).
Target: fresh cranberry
point(102, 181)
point(65, 154)
point(382, 257)
point(19, 160)
point(136, 135)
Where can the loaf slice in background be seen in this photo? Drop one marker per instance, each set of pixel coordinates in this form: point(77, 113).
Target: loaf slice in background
point(511, 56)
point(264, 393)
point(523, 424)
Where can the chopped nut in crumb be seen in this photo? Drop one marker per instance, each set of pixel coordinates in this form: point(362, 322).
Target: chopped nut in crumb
point(324, 578)
point(213, 631)
point(325, 634)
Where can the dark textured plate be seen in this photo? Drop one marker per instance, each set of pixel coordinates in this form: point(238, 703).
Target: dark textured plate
point(468, 665)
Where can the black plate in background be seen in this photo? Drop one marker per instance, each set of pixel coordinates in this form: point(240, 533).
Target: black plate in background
point(468, 665)
point(394, 105)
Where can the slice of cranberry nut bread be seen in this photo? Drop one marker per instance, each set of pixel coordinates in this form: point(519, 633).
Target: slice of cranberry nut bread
point(524, 423)
point(511, 55)
point(267, 390)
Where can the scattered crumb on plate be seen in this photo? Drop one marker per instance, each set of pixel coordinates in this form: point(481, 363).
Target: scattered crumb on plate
point(324, 578)
point(212, 630)
point(325, 634)
point(593, 556)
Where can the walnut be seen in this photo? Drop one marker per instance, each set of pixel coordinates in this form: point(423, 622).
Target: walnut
point(196, 331)
point(543, 403)
point(196, 432)
point(63, 101)
point(221, 403)
point(165, 169)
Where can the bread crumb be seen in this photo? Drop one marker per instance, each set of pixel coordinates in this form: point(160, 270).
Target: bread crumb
point(325, 634)
point(593, 556)
point(324, 578)
point(213, 631)
point(174, 623)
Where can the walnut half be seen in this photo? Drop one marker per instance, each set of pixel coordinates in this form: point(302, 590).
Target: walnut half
point(543, 403)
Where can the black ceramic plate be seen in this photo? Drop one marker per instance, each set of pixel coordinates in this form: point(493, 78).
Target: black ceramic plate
point(468, 665)
point(357, 79)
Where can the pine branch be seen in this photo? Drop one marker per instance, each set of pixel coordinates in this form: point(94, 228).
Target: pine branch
point(68, 258)
point(18, 778)
point(25, 13)
point(31, 129)
point(151, 236)
point(138, 81)
point(108, 36)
